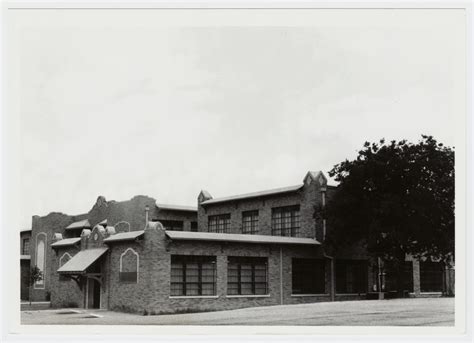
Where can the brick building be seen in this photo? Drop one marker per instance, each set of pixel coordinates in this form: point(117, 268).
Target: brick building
point(263, 248)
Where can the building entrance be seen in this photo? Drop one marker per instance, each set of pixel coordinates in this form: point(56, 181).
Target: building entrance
point(93, 293)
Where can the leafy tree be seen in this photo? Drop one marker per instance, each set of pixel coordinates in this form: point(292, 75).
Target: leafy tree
point(35, 275)
point(397, 198)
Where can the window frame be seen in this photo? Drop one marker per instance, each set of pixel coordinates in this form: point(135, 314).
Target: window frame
point(183, 261)
point(433, 274)
point(286, 221)
point(253, 262)
point(23, 250)
point(219, 223)
point(301, 283)
point(354, 269)
point(250, 222)
point(172, 225)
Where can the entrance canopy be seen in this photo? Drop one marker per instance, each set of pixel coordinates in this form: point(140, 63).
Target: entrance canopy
point(81, 261)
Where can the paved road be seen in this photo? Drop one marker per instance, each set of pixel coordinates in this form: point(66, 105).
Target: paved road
point(395, 312)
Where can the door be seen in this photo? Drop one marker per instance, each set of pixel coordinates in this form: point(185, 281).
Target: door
point(93, 294)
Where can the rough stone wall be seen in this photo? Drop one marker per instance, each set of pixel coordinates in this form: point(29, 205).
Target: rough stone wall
point(129, 214)
point(47, 225)
point(64, 291)
point(151, 294)
point(309, 199)
point(135, 297)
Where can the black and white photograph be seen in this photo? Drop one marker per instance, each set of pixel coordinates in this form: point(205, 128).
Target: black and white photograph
point(293, 169)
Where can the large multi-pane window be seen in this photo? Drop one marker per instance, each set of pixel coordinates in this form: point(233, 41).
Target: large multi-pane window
point(391, 277)
point(431, 276)
point(351, 276)
point(250, 222)
point(286, 221)
point(193, 275)
point(308, 276)
point(219, 223)
point(172, 225)
point(26, 246)
point(247, 275)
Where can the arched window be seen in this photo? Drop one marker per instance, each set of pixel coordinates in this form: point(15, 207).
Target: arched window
point(122, 226)
point(63, 259)
point(40, 259)
point(129, 261)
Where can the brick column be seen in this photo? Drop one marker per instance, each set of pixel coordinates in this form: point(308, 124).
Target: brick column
point(416, 277)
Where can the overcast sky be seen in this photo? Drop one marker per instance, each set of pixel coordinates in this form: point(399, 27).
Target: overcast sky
point(121, 105)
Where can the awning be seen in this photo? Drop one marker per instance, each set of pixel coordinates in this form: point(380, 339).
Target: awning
point(83, 224)
point(124, 236)
point(81, 261)
point(66, 242)
point(239, 238)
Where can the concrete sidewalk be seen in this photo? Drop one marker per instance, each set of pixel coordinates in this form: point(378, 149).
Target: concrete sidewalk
point(396, 312)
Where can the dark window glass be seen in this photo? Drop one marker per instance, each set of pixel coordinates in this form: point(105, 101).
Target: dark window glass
point(247, 276)
point(391, 277)
point(431, 276)
point(172, 225)
point(194, 226)
point(193, 275)
point(26, 246)
point(219, 223)
point(250, 222)
point(286, 221)
point(128, 276)
point(308, 276)
point(351, 276)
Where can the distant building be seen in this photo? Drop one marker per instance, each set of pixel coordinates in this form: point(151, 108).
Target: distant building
point(262, 248)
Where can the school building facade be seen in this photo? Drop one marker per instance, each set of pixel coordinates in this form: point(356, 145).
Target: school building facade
point(256, 249)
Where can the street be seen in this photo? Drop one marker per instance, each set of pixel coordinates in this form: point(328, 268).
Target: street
point(394, 312)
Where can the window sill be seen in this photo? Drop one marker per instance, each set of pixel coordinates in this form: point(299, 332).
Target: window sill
point(248, 296)
point(194, 296)
point(341, 294)
point(311, 295)
point(429, 293)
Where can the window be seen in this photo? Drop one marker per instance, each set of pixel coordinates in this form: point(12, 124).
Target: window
point(193, 275)
point(431, 277)
point(219, 223)
point(286, 221)
point(351, 276)
point(250, 222)
point(172, 225)
point(129, 264)
point(391, 278)
point(194, 226)
point(247, 275)
point(308, 276)
point(26, 246)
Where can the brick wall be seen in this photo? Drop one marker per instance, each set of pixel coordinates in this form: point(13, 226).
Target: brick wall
point(309, 199)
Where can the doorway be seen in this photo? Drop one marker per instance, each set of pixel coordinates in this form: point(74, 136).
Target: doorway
point(93, 293)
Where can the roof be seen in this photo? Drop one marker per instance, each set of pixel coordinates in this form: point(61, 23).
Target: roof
point(239, 238)
point(25, 257)
point(79, 225)
point(176, 207)
point(254, 194)
point(81, 261)
point(66, 242)
point(124, 236)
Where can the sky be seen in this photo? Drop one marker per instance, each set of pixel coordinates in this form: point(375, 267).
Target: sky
point(121, 104)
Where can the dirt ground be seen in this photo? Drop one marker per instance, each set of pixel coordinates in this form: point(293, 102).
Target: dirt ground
point(394, 312)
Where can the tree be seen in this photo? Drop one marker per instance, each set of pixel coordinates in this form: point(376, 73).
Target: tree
point(398, 199)
point(35, 275)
